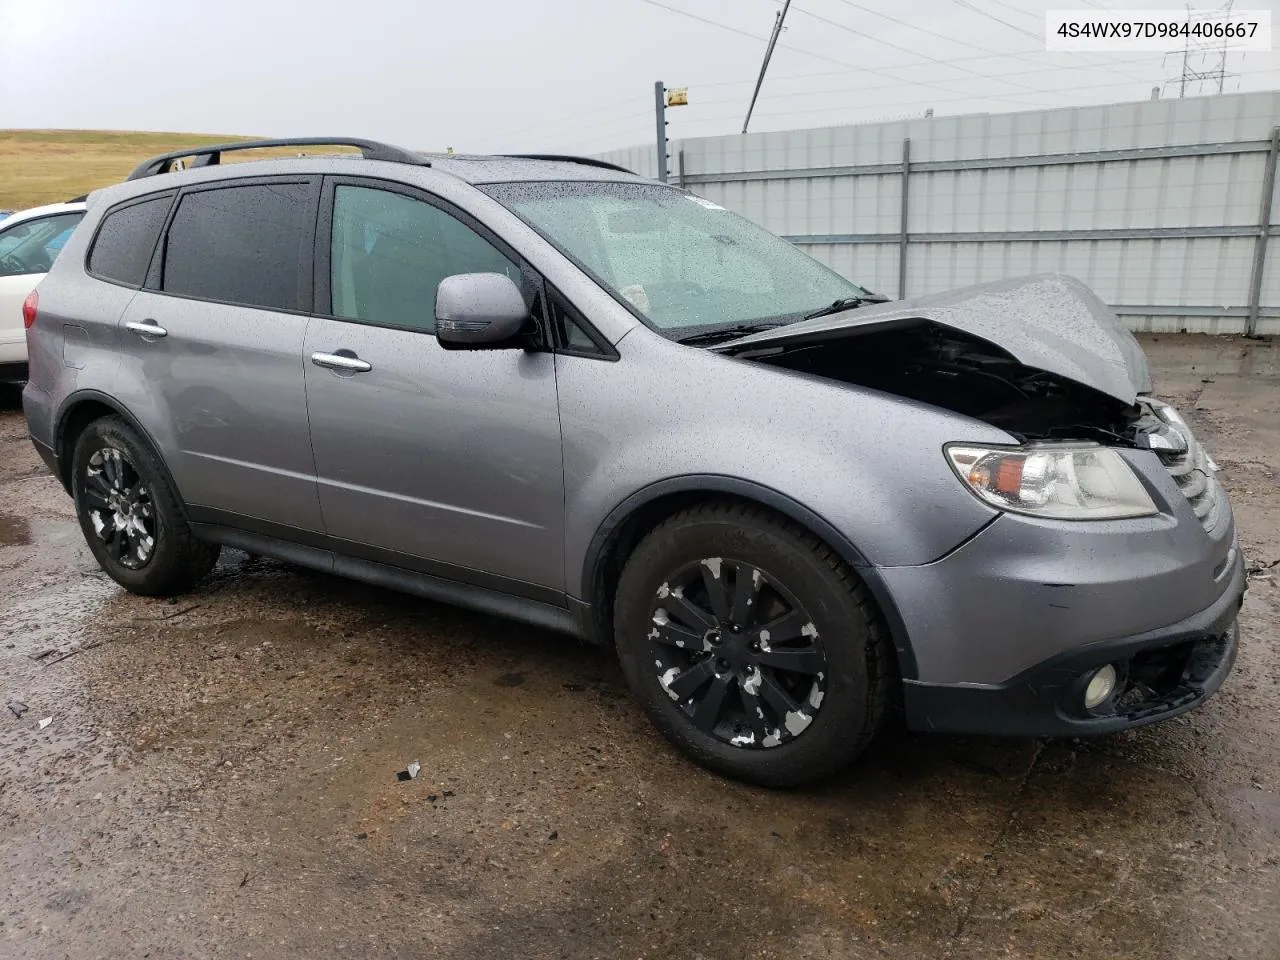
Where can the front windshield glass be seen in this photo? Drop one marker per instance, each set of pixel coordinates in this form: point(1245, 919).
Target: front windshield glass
point(684, 263)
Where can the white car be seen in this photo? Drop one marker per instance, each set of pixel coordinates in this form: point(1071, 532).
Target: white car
point(29, 242)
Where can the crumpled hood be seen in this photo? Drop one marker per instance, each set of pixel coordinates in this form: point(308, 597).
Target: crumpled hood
point(1051, 322)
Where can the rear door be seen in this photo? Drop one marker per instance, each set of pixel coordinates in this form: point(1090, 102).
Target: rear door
point(212, 353)
point(447, 462)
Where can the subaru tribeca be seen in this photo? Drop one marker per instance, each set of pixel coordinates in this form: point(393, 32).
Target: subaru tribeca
point(549, 389)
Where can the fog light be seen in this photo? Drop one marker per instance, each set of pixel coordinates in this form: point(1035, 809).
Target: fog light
point(1101, 686)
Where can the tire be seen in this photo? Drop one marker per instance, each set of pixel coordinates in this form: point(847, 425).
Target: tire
point(808, 637)
point(155, 553)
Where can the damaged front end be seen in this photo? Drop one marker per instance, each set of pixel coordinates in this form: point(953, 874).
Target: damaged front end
point(1041, 357)
point(921, 360)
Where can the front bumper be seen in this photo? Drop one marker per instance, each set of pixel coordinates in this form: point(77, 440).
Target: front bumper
point(1163, 672)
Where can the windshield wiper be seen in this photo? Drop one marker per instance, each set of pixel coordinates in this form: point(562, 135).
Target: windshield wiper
point(846, 303)
point(725, 333)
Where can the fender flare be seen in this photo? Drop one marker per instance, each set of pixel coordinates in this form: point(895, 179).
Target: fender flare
point(72, 401)
point(603, 539)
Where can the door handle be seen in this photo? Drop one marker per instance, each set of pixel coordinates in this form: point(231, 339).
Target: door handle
point(146, 328)
point(337, 361)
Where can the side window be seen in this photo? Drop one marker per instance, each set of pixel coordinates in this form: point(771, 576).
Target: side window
point(571, 334)
point(241, 244)
point(389, 252)
point(33, 245)
point(122, 250)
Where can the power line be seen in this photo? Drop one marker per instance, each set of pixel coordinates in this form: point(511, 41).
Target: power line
point(842, 63)
point(890, 86)
point(694, 16)
point(926, 30)
point(991, 16)
point(1100, 64)
point(962, 97)
point(952, 64)
point(575, 119)
point(568, 118)
point(837, 73)
point(882, 42)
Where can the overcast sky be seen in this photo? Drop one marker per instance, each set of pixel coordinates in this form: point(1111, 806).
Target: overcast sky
point(564, 75)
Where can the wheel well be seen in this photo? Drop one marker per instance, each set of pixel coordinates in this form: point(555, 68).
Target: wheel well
point(623, 539)
point(72, 425)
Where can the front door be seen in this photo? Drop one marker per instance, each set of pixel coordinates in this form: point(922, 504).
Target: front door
point(211, 360)
point(447, 462)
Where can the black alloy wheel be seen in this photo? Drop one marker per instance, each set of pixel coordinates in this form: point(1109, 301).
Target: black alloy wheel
point(119, 507)
point(752, 645)
point(738, 653)
point(132, 517)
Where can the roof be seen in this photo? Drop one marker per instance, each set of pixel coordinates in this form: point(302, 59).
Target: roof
point(467, 167)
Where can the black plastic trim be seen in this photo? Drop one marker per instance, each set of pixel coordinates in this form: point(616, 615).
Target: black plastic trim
point(447, 571)
point(1030, 704)
point(213, 516)
point(767, 496)
point(211, 154)
point(49, 457)
point(604, 349)
point(569, 158)
point(392, 577)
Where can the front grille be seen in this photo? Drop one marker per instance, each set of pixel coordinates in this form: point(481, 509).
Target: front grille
point(1186, 460)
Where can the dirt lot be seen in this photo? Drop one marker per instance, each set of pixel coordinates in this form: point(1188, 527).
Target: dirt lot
point(219, 778)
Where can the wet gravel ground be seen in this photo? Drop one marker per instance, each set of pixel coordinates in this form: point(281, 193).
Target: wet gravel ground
point(219, 777)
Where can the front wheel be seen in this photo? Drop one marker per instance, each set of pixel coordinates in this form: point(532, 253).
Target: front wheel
point(130, 514)
point(751, 645)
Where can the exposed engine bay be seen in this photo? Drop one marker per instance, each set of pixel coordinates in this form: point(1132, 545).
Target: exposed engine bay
point(944, 367)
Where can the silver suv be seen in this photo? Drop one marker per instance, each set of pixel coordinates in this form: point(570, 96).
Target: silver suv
point(546, 388)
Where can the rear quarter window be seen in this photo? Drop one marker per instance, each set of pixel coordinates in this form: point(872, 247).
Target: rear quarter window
point(126, 239)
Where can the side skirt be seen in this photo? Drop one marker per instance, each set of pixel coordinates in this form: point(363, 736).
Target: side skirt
point(483, 599)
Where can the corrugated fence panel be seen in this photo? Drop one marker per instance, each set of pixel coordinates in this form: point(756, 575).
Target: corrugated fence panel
point(1153, 204)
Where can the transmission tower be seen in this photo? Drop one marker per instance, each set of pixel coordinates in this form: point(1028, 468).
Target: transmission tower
point(1203, 61)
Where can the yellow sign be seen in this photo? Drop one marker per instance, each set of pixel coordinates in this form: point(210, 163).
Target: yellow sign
point(678, 97)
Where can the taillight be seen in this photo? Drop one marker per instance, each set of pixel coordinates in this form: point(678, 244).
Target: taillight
point(29, 309)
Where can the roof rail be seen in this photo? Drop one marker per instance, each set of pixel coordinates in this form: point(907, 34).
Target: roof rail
point(566, 158)
point(211, 155)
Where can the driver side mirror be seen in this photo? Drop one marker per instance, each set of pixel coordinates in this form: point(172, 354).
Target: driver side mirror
point(479, 311)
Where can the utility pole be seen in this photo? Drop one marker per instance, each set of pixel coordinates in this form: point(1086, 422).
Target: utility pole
point(1212, 56)
point(663, 98)
point(768, 55)
point(660, 113)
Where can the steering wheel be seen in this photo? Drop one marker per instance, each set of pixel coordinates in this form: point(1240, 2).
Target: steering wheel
point(11, 263)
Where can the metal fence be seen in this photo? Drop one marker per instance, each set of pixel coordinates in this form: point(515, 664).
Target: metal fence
point(1165, 208)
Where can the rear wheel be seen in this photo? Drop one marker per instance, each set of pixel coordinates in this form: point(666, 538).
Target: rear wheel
point(751, 645)
point(130, 514)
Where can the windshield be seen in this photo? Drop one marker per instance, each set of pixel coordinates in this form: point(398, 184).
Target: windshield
point(682, 262)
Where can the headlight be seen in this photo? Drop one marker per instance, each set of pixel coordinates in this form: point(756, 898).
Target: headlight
point(1066, 482)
